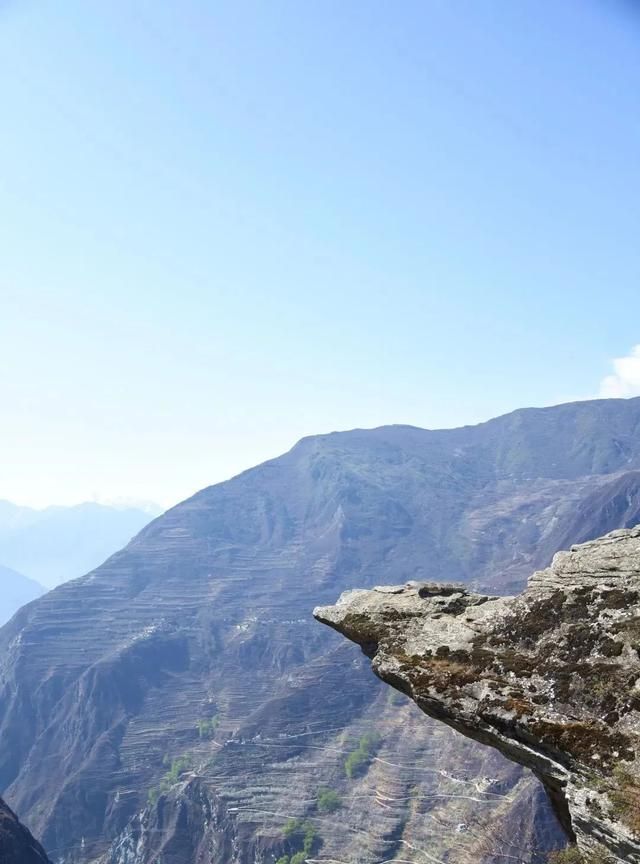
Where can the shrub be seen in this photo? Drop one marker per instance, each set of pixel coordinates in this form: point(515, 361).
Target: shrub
point(299, 834)
point(357, 762)
point(207, 728)
point(310, 837)
point(293, 826)
point(175, 767)
point(328, 800)
point(178, 767)
point(370, 741)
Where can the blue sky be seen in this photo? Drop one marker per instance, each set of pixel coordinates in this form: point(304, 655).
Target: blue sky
point(227, 225)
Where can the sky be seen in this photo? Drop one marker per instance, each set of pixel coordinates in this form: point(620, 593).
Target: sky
point(227, 225)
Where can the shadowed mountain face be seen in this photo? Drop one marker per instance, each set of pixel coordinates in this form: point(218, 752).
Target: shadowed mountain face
point(17, 846)
point(59, 543)
point(179, 699)
point(15, 591)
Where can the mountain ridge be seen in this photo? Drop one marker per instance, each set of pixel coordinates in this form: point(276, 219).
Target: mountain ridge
point(56, 543)
point(205, 616)
point(385, 429)
point(16, 590)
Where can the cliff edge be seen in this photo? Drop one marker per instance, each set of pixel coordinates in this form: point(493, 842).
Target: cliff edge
point(17, 846)
point(551, 678)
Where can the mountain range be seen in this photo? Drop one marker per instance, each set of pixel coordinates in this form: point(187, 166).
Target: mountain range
point(55, 544)
point(15, 591)
point(178, 703)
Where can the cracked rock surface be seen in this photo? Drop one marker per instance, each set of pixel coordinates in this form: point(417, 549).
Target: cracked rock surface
point(551, 678)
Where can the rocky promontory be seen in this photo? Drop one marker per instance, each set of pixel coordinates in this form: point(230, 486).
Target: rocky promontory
point(551, 678)
point(17, 846)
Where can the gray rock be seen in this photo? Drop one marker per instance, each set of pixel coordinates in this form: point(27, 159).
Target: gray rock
point(551, 678)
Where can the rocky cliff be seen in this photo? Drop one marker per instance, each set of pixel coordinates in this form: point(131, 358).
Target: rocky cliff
point(17, 846)
point(181, 678)
point(551, 678)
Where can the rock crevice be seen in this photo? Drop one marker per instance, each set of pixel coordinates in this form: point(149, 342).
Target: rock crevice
point(551, 678)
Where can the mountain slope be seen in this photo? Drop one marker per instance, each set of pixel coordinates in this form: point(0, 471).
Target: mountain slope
point(53, 545)
point(17, 846)
point(183, 676)
point(15, 591)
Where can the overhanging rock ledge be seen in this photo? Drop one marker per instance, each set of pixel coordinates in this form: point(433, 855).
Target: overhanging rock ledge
point(551, 678)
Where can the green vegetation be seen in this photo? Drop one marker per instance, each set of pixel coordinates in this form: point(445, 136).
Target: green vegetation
point(328, 800)
point(176, 768)
point(357, 762)
point(207, 728)
point(572, 855)
point(299, 833)
point(291, 827)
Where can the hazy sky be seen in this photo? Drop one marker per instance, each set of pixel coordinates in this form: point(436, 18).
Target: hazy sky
point(225, 225)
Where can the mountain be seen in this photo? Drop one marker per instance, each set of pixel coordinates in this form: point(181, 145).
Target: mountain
point(15, 591)
point(549, 678)
point(178, 702)
point(17, 846)
point(60, 543)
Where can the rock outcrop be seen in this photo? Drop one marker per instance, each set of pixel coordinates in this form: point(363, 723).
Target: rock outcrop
point(551, 678)
point(17, 846)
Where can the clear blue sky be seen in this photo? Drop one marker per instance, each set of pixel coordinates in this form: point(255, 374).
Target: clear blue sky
point(227, 225)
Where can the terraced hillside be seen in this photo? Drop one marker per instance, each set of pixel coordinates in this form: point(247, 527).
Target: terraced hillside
point(180, 700)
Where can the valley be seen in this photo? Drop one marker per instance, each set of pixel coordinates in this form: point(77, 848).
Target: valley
point(180, 701)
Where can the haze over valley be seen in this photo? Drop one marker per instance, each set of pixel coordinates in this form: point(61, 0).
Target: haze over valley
point(40, 549)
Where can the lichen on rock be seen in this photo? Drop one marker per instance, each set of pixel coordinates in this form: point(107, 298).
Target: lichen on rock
point(551, 678)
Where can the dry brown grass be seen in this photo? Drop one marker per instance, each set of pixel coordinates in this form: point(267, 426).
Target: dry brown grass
point(626, 800)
